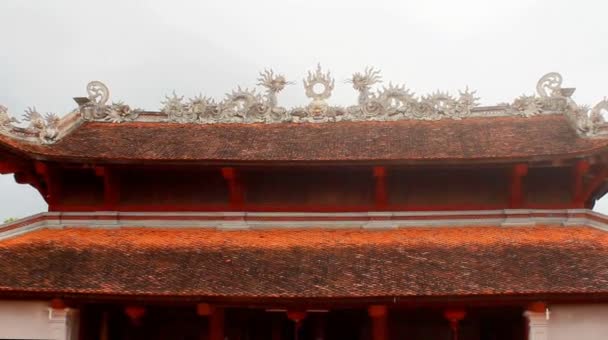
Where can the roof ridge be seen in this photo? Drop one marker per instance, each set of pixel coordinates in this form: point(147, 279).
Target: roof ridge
point(389, 103)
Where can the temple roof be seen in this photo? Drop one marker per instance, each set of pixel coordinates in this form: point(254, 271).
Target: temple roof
point(302, 263)
point(388, 124)
point(495, 139)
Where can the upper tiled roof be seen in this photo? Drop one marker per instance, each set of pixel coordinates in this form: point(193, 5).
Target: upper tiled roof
point(388, 123)
point(491, 139)
point(323, 263)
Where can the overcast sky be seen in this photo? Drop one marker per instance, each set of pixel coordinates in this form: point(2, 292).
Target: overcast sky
point(143, 50)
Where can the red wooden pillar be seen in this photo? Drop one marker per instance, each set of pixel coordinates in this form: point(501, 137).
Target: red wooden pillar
point(235, 190)
point(216, 324)
point(297, 317)
point(111, 194)
point(381, 199)
point(216, 320)
point(379, 316)
point(517, 194)
point(454, 316)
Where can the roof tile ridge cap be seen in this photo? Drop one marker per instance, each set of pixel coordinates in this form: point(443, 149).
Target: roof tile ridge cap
point(68, 123)
point(64, 126)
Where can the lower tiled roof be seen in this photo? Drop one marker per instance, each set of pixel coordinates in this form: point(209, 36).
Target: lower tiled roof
point(324, 263)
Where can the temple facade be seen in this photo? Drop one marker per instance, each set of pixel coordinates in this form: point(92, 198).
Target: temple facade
point(400, 217)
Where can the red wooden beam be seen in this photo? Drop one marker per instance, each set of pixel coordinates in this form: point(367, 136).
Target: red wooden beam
point(381, 197)
point(235, 188)
point(580, 169)
point(516, 199)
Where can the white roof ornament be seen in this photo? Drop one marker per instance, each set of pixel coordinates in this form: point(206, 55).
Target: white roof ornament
point(46, 128)
point(549, 85)
point(94, 107)
point(261, 105)
point(6, 121)
point(98, 92)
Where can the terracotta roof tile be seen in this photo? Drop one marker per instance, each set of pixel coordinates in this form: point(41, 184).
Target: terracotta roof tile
point(543, 136)
point(308, 263)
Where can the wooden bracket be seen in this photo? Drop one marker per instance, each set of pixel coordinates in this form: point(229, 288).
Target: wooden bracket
point(7, 167)
point(595, 183)
point(50, 180)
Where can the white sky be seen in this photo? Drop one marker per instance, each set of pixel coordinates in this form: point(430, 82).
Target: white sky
point(143, 50)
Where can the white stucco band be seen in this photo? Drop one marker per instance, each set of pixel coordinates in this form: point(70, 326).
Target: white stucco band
point(537, 325)
point(35, 320)
point(585, 322)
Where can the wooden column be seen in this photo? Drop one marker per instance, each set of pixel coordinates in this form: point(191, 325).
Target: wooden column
point(235, 189)
point(297, 317)
point(379, 316)
point(103, 329)
point(111, 194)
point(381, 198)
point(216, 325)
point(516, 199)
point(216, 320)
point(454, 316)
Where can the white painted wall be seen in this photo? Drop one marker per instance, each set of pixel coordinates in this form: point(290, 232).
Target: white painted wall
point(30, 320)
point(578, 322)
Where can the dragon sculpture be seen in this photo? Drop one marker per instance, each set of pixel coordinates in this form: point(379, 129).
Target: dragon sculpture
point(374, 102)
point(45, 127)
point(6, 121)
point(95, 108)
point(240, 105)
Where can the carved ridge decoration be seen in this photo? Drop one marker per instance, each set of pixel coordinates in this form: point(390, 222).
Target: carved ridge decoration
point(386, 103)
